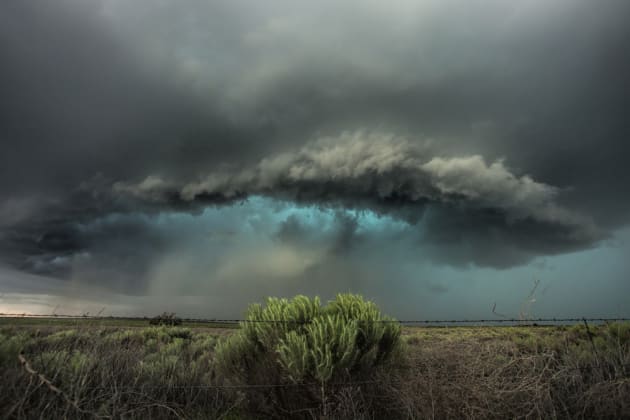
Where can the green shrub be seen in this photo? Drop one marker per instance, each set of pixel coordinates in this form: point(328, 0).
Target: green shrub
point(301, 342)
point(10, 347)
point(619, 332)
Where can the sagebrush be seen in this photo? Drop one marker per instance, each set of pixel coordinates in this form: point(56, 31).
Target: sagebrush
point(312, 348)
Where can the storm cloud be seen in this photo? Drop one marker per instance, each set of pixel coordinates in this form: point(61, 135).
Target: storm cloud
point(462, 134)
point(388, 175)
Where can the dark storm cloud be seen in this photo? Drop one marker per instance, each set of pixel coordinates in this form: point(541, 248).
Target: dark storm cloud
point(115, 107)
point(484, 210)
point(77, 102)
point(489, 239)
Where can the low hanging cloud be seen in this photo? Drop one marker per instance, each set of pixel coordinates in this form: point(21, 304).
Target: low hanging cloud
point(457, 211)
point(383, 173)
point(391, 176)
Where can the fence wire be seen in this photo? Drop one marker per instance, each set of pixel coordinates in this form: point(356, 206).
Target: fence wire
point(445, 322)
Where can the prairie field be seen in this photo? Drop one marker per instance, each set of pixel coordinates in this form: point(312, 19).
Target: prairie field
point(53, 368)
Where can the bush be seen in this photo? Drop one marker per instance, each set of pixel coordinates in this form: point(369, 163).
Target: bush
point(167, 318)
point(310, 348)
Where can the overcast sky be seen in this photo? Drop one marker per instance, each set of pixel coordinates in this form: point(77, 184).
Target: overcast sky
point(196, 156)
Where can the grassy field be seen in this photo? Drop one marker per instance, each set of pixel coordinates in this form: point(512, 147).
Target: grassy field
point(53, 368)
point(80, 322)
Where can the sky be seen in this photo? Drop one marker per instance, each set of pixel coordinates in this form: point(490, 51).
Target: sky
point(442, 158)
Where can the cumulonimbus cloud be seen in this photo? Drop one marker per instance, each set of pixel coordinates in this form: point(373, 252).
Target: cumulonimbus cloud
point(379, 172)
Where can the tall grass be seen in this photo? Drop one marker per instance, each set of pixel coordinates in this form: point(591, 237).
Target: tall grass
point(172, 372)
point(517, 372)
point(156, 372)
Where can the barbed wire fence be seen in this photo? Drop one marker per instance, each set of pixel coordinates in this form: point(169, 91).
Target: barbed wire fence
point(405, 322)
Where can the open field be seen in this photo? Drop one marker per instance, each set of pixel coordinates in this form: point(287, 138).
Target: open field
point(80, 368)
point(94, 322)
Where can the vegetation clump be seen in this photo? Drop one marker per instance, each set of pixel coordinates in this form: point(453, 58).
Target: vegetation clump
point(309, 347)
point(167, 318)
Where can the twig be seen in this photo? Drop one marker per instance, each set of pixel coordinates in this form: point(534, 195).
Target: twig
point(43, 380)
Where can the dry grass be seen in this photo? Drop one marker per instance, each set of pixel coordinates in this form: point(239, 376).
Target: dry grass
point(551, 372)
point(166, 372)
point(156, 372)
